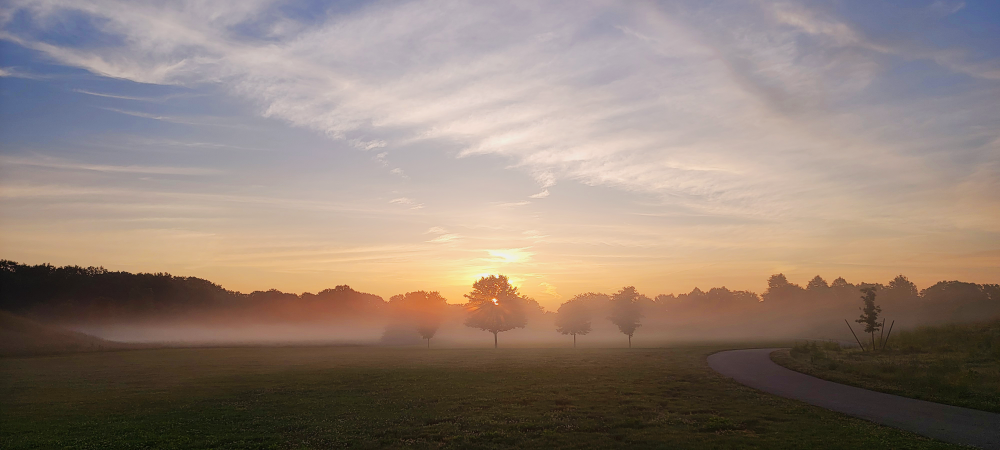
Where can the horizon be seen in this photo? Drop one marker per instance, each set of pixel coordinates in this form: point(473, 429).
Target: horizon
point(549, 306)
point(396, 146)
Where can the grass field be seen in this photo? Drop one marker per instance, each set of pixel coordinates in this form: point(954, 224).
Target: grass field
point(360, 397)
point(954, 364)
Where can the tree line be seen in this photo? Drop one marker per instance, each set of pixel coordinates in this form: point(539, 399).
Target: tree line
point(77, 294)
point(94, 294)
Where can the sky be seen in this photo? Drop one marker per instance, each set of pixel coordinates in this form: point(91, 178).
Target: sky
point(572, 145)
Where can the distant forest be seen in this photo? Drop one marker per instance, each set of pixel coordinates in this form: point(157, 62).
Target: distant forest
point(74, 295)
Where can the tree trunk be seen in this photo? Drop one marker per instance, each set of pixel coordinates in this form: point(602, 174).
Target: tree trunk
point(630, 341)
point(574, 340)
point(873, 341)
point(494, 339)
point(428, 342)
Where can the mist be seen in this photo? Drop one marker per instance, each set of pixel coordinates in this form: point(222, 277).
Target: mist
point(165, 309)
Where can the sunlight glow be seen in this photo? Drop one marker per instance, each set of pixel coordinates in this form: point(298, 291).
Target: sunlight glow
point(665, 145)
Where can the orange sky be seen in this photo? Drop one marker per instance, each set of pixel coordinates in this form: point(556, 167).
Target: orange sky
point(572, 150)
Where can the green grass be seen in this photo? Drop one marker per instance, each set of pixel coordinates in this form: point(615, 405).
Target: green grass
point(323, 397)
point(954, 364)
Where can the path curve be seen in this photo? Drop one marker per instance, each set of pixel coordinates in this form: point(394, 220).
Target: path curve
point(754, 368)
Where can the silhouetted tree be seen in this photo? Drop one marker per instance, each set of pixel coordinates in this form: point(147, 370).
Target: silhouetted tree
point(817, 284)
point(423, 310)
point(626, 312)
point(495, 306)
point(73, 294)
point(953, 301)
point(869, 313)
point(901, 295)
point(903, 287)
point(841, 283)
point(780, 291)
point(573, 318)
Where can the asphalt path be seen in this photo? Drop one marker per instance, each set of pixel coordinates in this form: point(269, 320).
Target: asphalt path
point(754, 368)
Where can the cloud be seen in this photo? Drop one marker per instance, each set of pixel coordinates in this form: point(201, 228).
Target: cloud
point(13, 72)
point(198, 121)
point(445, 238)
point(550, 290)
point(843, 37)
point(123, 97)
point(55, 163)
point(368, 145)
point(510, 255)
point(543, 194)
point(739, 109)
point(406, 202)
point(946, 8)
point(443, 235)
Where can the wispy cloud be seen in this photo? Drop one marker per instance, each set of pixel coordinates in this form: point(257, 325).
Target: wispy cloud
point(722, 125)
point(195, 121)
point(368, 145)
point(534, 94)
point(445, 238)
point(550, 290)
point(510, 255)
point(407, 202)
point(120, 97)
point(54, 163)
point(14, 72)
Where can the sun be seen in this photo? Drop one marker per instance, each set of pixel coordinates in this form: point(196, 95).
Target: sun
point(495, 302)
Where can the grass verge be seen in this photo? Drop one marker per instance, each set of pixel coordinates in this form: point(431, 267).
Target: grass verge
point(954, 364)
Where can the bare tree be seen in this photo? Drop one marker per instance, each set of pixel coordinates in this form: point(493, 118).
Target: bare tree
point(626, 312)
point(573, 317)
point(495, 306)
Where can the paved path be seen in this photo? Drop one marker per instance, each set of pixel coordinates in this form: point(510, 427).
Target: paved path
point(953, 424)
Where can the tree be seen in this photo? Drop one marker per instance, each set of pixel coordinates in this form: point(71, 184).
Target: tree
point(420, 309)
point(495, 306)
point(869, 313)
point(626, 312)
point(903, 287)
point(817, 283)
point(573, 317)
point(780, 291)
point(841, 283)
point(956, 301)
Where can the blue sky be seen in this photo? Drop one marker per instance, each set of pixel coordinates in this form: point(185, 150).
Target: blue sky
point(575, 146)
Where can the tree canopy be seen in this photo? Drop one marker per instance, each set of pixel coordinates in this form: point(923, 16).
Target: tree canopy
point(495, 305)
point(95, 294)
point(573, 317)
point(869, 313)
point(422, 310)
point(626, 311)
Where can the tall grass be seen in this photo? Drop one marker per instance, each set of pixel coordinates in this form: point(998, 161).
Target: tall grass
point(977, 340)
point(954, 364)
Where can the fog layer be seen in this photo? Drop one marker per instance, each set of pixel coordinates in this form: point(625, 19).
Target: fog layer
point(127, 307)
